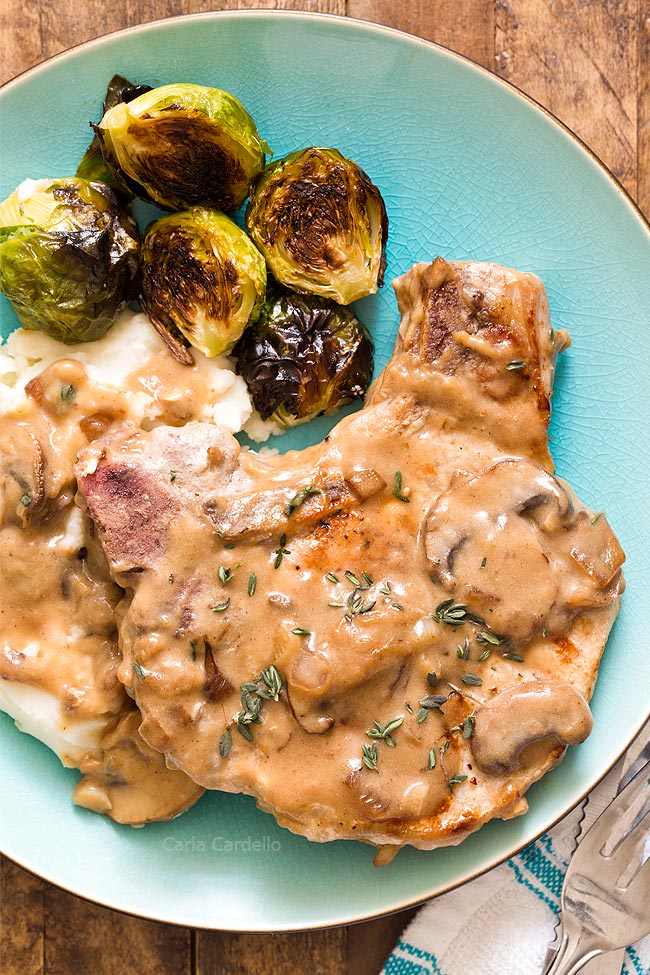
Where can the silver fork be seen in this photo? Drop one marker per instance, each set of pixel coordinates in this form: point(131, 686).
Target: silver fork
point(606, 897)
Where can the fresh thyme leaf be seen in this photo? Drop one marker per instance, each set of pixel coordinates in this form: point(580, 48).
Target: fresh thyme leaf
point(243, 729)
point(369, 756)
point(301, 631)
point(193, 649)
point(515, 365)
point(484, 654)
point(299, 499)
point(225, 743)
point(513, 656)
point(252, 584)
point(331, 577)
point(397, 606)
point(422, 715)
point(483, 562)
point(336, 605)
point(408, 707)
point(432, 760)
point(25, 501)
point(486, 637)
point(432, 679)
point(397, 488)
point(140, 671)
point(67, 393)
point(229, 545)
point(456, 780)
point(386, 589)
point(433, 701)
point(356, 582)
point(472, 679)
point(445, 746)
point(468, 726)
point(463, 650)
point(172, 475)
point(596, 517)
point(221, 607)
point(225, 575)
point(280, 551)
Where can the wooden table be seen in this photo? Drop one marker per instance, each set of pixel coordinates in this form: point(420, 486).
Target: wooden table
point(588, 61)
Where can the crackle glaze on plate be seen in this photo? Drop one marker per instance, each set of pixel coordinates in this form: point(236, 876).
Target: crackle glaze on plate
point(469, 168)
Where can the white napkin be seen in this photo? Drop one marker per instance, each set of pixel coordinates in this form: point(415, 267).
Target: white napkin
point(501, 923)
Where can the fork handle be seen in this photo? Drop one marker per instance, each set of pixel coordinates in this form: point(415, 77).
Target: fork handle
point(572, 956)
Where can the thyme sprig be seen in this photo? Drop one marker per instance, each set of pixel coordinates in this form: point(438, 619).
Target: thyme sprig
point(455, 614)
point(358, 606)
point(299, 499)
point(385, 732)
point(267, 687)
point(225, 574)
point(280, 552)
point(369, 756)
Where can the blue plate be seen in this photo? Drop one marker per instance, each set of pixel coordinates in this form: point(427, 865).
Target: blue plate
point(469, 168)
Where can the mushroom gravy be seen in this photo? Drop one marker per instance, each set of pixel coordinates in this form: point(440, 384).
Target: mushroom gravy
point(388, 636)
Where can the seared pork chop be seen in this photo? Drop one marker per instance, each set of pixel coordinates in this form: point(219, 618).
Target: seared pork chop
point(388, 636)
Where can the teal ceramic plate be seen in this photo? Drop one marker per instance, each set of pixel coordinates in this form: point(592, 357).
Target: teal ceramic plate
point(469, 168)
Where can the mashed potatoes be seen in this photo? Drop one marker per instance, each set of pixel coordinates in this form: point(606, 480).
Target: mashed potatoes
point(144, 385)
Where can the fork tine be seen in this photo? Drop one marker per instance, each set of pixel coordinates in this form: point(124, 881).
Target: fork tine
point(640, 886)
point(621, 812)
point(632, 845)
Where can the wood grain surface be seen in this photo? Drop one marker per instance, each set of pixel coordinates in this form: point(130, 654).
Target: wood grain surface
point(588, 61)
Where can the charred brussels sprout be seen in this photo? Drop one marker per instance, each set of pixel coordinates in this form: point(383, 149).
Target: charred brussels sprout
point(321, 224)
point(93, 164)
point(304, 356)
point(68, 257)
point(182, 146)
point(201, 277)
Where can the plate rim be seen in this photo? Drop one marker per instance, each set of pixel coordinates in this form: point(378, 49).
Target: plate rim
point(373, 27)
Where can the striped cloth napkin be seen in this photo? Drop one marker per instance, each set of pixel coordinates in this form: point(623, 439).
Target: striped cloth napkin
point(501, 923)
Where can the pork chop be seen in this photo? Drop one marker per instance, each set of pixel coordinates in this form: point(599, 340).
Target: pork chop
point(388, 636)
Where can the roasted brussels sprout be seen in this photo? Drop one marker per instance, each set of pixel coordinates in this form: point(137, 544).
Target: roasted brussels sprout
point(93, 165)
point(182, 146)
point(68, 257)
point(201, 277)
point(304, 356)
point(321, 224)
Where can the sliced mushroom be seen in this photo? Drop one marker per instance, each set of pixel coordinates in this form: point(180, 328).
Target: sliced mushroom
point(530, 712)
point(510, 543)
point(308, 681)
